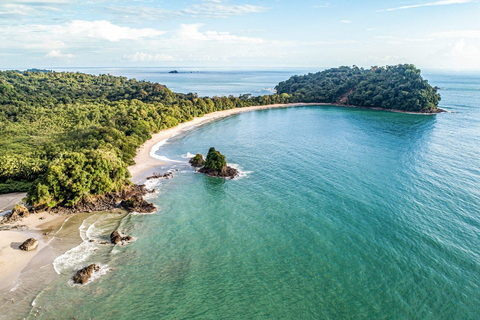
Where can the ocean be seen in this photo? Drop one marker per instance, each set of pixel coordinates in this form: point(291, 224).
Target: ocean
point(339, 213)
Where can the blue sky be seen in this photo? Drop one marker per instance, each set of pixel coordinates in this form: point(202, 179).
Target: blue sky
point(433, 34)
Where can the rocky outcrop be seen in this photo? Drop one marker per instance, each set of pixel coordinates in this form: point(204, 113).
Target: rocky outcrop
point(108, 201)
point(117, 238)
point(225, 172)
point(29, 245)
point(166, 175)
point(138, 204)
point(215, 165)
point(197, 161)
point(17, 214)
point(83, 275)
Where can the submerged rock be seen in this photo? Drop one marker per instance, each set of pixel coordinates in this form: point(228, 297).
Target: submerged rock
point(166, 175)
point(17, 213)
point(29, 245)
point(138, 204)
point(83, 275)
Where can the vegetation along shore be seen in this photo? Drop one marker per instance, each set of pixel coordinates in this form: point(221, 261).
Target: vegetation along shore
point(75, 142)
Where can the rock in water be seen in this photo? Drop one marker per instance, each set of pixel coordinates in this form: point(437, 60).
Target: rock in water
point(197, 161)
point(82, 275)
point(29, 245)
point(115, 237)
point(216, 165)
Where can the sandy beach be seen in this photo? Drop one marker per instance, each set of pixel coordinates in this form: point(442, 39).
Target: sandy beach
point(145, 163)
point(42, 225)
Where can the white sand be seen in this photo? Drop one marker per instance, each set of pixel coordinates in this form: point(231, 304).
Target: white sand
point(12, 259)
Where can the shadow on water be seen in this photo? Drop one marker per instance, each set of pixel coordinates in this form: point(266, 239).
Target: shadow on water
point(215, 186)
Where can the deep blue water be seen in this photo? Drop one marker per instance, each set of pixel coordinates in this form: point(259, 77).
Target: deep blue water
point(340, 214)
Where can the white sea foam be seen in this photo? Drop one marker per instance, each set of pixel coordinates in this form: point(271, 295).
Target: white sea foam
point(104, 269)
point(241, 172)
point(134, 213)
point(75, 257)
point(155, 148)
point(17, 285)
point(188, 155)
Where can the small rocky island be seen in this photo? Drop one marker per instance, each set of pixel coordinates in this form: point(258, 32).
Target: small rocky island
point(214, 165)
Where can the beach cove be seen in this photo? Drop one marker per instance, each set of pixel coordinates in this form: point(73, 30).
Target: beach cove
point(177, 267)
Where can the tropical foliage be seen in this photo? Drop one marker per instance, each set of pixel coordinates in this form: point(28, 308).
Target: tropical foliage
point(398, 87)
point(67, 136)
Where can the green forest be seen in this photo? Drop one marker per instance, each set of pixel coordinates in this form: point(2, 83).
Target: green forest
point(70, 136)
point(399, 87)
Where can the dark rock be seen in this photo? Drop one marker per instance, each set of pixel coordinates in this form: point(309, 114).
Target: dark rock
point(29, 245)
point(83, 275)
point(197, 161)
point(138, 204)
point(17, 214)
point(173, 71)
point(106, 202)
point(115, 237)
point(226, 172)
point(166, 175)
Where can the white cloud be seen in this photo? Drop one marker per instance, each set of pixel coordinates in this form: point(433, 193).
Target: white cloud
point(428, 4)
point(207, 9)
point(346, 21)
point(192, 32)
point(145, 57)
point(102, 29)
point(58, 54)
point(220, 10)
point(458, 34)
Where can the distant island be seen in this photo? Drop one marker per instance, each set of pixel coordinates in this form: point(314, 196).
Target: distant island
point(173, 71)
point(68, 138)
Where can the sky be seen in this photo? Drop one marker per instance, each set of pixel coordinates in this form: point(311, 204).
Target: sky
point(432, 34)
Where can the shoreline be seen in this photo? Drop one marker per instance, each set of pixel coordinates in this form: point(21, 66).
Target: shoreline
point(145, 163)
point(43, 225)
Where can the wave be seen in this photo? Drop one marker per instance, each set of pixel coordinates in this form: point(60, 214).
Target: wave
point(241, 172)
point(155, 148)
point(91, 235)
point(188, 155)
point(104, 269)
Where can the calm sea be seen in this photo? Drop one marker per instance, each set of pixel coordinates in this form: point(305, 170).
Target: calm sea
point(339, 214)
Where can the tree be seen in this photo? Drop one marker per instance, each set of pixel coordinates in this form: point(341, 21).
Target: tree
point(215, 160)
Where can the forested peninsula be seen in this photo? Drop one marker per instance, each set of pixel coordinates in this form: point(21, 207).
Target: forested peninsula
point(398, 87)
point(68, 137)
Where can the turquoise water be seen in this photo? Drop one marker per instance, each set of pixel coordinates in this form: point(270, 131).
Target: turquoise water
point(339, 214)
